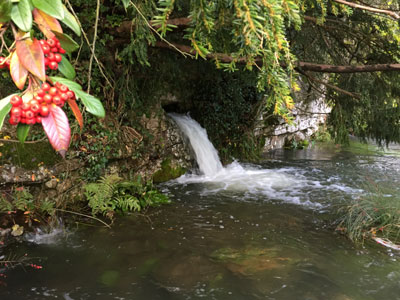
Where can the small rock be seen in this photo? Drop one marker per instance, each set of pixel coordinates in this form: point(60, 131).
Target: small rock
point(51, 184)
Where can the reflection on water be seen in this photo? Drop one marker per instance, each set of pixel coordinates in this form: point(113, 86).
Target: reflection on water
point(230, 237)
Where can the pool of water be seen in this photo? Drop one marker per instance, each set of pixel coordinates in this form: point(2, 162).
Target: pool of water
point(266, 234)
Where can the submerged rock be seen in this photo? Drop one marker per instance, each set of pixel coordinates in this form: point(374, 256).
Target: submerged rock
point(250, 261)
point(187, 272)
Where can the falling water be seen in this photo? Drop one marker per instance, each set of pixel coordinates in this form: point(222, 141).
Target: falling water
point(205, 153)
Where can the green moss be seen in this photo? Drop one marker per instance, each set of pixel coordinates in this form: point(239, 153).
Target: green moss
point(167, 172)
point(28, 155)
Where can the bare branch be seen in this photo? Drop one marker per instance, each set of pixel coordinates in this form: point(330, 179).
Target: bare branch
point(370, 9)
point(305, 66)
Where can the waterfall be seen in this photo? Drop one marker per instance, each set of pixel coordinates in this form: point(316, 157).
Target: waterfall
point(205, 153)
point(286, 184)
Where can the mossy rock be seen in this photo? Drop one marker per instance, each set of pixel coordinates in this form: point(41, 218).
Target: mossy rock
point(168, 172)
point(28, 155)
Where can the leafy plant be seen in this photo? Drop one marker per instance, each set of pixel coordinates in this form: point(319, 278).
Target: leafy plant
point(112, 193)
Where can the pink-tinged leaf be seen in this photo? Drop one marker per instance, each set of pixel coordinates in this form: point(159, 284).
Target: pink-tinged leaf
point(31, 56)
point(77, 112)
point(56, 126)
point(18, 72)
point(46, 23)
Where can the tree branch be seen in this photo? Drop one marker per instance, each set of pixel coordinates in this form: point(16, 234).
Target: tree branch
point(305, 66)
point(370, 9)
point(331, 86)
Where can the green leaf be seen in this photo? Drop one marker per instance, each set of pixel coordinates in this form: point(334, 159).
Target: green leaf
point(66, 68)
point(126, 3)
point(53, 8)
point(5, 11)
point(21, 15)
point(67, 43)
point(22, 132)
point(72, 85)
point(71, 21)
point(5, 107)
point(92, 104)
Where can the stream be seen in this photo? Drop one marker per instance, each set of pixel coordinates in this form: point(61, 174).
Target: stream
point(243, 231)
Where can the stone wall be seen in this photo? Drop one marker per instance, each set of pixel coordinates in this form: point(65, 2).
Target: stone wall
point(310, 112)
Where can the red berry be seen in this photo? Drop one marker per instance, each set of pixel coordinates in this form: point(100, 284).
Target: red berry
point(53, 91)
point(14, 120)
point(48, 98)
point(46, 49)
point(35, 108)
point(44, 111)
point(63, 88)
point(38, 119)
point(57, 101)
point(58, 44)
point(61, 51)
point(53, 65)
point(38, 98)
point(64, 97)
point(16, 111)
point(57, 58)
point(16, 100)
point(50, 57)
point(23, 120)
point(52, 43)
point(71, 95)
point(41, 93)
point(25, 106)
point(43, 42)
point(46, 62)
point(23, 114)
point(54, 50)
point(46, 86)
point(29, 114)
point(31, 121)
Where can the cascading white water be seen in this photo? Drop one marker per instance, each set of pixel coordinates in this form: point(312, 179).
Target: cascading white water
point(287, 184)
point(205, 152)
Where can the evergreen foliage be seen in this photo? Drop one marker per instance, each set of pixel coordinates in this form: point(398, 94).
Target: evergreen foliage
point(269, 38)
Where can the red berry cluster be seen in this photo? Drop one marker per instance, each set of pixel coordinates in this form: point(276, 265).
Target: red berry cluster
point(4, 63)
point(52, 50)
point(32, 111)
point(37, 267)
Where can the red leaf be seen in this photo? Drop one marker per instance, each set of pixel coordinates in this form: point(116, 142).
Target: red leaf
point(18, 72)
point(46, 23)
point(31, 56)
point(77, 113)
point(56, 126)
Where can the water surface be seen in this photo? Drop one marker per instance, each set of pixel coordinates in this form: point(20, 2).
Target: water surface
point(262, 231)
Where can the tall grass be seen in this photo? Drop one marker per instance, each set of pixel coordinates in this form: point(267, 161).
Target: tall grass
point(375, 214)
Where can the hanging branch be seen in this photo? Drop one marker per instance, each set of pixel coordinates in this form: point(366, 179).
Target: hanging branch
point(390, 13)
